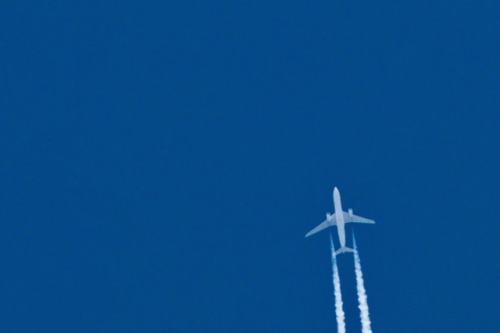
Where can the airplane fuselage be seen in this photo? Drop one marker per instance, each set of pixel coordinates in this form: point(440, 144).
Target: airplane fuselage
point(339, 216)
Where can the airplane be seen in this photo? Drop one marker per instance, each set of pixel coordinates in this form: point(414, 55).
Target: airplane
point(339, 218)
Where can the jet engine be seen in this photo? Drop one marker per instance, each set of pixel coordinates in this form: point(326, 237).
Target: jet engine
point(328, 216)
point(350, 212)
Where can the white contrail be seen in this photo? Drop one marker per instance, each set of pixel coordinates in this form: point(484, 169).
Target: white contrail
point(339, 311)
point(362, 298)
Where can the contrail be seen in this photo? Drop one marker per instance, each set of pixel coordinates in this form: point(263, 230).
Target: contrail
point(339, 311)
point(362, 298)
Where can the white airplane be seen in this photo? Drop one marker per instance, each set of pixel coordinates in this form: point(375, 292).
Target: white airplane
point(339, 219)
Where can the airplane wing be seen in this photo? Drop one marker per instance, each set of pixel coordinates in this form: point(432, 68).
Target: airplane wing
point(357, 219)
point(322, 225)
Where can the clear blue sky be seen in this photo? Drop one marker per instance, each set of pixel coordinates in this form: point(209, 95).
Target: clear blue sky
point(161, 162)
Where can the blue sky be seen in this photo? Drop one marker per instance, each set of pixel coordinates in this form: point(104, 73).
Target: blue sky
point(162, 161)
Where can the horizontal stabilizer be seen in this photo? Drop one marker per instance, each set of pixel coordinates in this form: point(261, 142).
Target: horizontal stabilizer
point(343, 249)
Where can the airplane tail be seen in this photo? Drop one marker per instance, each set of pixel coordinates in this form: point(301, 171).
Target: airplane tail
point(344, 249)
